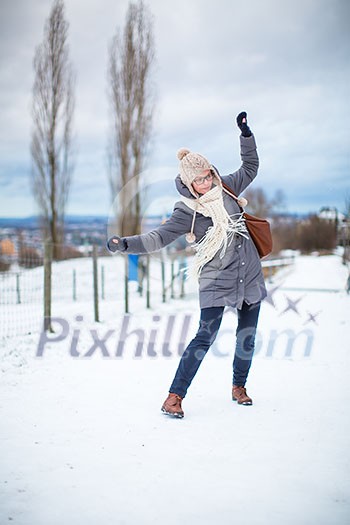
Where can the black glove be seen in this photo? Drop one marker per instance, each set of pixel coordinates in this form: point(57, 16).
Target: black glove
point(121, 246)
point(243, 126)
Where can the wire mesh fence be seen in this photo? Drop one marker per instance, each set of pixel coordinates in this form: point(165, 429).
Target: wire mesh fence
point(33, 286)
point(36, 287)
point(21, 300)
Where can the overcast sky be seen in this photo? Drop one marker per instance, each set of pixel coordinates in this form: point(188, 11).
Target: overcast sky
point(285, 62)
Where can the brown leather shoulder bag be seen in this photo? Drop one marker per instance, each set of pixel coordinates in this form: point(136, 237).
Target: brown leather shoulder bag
point(259, 229)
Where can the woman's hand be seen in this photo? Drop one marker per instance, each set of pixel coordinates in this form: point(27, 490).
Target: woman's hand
point(116, 243)
point(242, 124)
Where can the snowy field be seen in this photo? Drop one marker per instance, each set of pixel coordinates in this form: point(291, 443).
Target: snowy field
point(83, 440)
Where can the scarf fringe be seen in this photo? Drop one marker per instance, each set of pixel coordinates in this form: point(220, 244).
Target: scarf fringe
point(203, 247)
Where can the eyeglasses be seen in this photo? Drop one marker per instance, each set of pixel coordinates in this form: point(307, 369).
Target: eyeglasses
point(201, 180)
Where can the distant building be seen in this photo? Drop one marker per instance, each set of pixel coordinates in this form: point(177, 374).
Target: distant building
point(330, 214)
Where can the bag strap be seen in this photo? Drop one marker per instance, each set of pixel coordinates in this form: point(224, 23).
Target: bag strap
point(230, 192)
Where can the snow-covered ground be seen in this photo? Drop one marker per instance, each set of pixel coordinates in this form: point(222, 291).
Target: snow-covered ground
point(83, 440)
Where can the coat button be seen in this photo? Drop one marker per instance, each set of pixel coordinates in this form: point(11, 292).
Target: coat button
point(239, 246)
point(243, 263)
point(241, 280)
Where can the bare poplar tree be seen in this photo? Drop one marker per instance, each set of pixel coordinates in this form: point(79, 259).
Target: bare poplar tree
point(52, 111)
point(131, 57)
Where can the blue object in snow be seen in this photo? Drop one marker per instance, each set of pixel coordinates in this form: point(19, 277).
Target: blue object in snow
point(133, 267)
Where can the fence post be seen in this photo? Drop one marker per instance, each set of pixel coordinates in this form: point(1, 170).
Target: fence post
point(95, 281)
point(103, 282)
point(172, 295)
point(47, 285)
point(162, 263)
point(142, 267)
point(18, 289)
point(182, 266)
point(148, 296)
point(126, 284)
point(74, 285)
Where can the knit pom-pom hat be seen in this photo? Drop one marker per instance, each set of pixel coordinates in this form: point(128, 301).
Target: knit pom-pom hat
point(191, 166)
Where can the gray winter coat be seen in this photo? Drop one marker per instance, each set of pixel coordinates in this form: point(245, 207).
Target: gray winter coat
point(235, 278)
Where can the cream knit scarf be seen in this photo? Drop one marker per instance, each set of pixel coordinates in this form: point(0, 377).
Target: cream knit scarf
point(220, 235)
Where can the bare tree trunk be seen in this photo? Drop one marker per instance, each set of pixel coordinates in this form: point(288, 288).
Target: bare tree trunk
point(52, 111)
point(131, 57)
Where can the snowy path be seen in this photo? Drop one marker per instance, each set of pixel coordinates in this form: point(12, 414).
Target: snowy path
point(83, 440)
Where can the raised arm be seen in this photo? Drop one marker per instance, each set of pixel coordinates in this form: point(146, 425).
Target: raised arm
point(178, 224)
point(240, 179)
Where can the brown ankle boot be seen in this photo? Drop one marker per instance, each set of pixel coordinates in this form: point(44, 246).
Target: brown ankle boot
point(239, 394)
point(172, 406)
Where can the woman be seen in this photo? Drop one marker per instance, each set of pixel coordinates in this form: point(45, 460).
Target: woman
point(226, 261)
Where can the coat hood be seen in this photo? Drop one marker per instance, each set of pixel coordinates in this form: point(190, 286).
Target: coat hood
point(184, 190)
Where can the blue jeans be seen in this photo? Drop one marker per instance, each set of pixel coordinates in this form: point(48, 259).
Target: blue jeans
point(209, 324)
